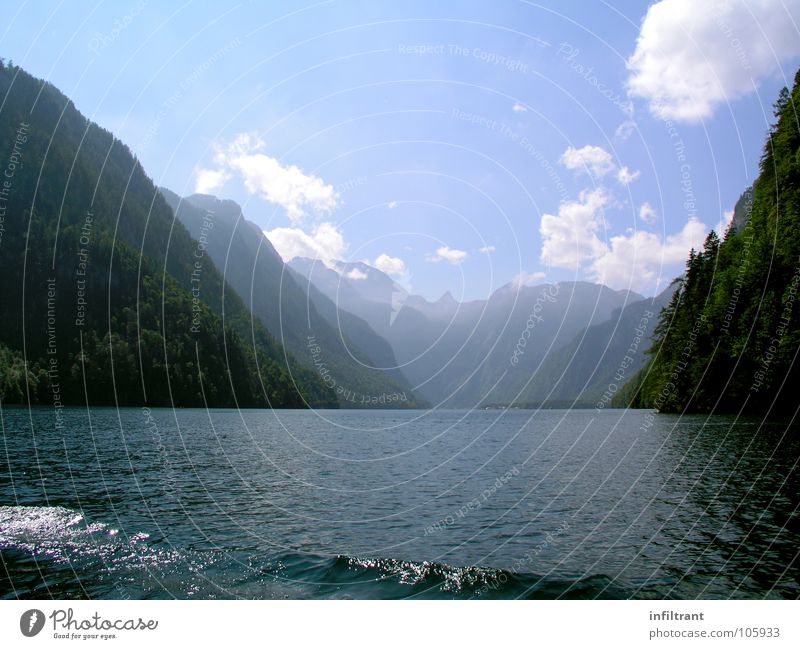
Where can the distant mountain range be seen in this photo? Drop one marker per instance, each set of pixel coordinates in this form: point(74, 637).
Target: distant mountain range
point(525, 345)
point(129, 294)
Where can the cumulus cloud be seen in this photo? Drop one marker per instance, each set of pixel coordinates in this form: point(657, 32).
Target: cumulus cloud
point(448, 254)
point(625, 176)
point(487, 249)
point(390, 265)
point(569, 238)
point(644, 261)
point(356, 274)
point(526, 279)
point(284, 185)
point(207, 181)
point(647, 213)
point(325, 242)
point(519, 108)
point(692, 56)
point(641, 260)
point(595, 159)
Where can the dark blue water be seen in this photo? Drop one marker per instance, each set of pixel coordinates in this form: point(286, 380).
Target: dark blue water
point(491, 504)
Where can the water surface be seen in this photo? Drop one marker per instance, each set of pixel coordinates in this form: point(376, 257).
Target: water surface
point(483, 504)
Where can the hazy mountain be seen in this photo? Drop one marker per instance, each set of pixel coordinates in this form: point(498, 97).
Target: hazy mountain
point(492, 353)
point(373, 296)
point(306, 322)
point(600, 359)
point(484, 351)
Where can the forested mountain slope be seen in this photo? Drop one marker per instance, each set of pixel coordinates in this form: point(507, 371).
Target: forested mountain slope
point(342, 348)
point(111, 301)
point(728, 341)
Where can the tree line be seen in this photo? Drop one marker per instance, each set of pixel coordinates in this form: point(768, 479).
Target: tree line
point(728, 340)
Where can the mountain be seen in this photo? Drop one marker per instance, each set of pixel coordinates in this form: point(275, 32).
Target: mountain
point(593, 367)
point(729, 337)
point(112, 302)
point(445, 308)
point(354, 361)
point(492, 351)
point(742, 210)
point(466, 354)
point(356, 288)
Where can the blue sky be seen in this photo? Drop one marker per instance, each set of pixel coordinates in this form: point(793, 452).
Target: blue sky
point(457, 145)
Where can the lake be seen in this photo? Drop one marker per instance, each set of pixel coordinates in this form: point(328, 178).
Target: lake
point(133, 503)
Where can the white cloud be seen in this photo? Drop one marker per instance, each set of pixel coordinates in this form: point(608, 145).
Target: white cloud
point(391, 204)
point(724, 222)
point(519, 108)
point(569, 238)
point(287, 186)
point(207, 181)
point(641, 260)
point(595, 159)
point(526, 279)
point(487, 249)
point(647, 213)
point(625, 176)
point(450, 255)
point(692, 56)
point(644, 261)
point(390, 265)
point(625, 129)
point(356, 274)
point(325, 243)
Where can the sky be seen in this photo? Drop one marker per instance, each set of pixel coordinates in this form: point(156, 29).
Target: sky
point(454, 145)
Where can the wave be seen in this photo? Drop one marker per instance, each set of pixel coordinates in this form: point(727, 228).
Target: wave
point(59, 532)
point(394, 578)
point(55, 552)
